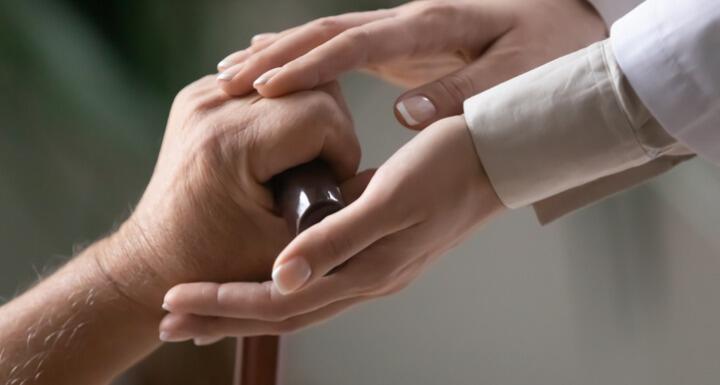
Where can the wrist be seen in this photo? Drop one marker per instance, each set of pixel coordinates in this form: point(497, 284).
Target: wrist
point(123, 260)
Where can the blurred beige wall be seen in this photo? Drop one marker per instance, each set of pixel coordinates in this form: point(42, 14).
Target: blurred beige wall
point(625, 292)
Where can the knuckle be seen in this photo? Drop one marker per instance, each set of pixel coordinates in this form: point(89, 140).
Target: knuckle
point(323, 108)
point(359, 37)
point(357, 42)
point(322, 104)
point(437, 9)
point(458, 86)
point(329, 26)
point(193, 98)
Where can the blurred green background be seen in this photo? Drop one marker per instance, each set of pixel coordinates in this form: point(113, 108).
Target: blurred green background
point(86, 88)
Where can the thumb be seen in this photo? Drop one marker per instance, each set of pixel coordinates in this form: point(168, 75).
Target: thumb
point(328, 244)
point(422, 106)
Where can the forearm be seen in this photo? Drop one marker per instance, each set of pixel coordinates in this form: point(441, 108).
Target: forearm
point(74, 327)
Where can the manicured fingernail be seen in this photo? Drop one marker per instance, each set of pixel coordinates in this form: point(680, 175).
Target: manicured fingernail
point(204, 341)
point(257, 38)
point(229, 73)
point(170, 337)
point(289, 276)
point(224, 64)
point(416, 110)
point(264, 78)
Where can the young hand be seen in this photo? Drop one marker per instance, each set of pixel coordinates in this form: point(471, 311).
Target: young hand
point(449, 50)
point(423, 201)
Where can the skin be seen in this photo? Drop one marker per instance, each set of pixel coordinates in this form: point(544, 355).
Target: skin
point(205, 214)
point(449, 51)
point(444, 50)
point(388, 236)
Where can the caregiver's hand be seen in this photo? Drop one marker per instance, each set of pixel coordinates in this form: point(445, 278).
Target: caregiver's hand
point(450, 50)
point(423, 201)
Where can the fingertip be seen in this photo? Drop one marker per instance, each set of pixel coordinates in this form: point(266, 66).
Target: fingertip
point(415, 111)
point(169, 301)
point(233, 59)
point(291, 275)
point(266, 77)
point(170, 322)
point(205, 341)
point(259, 38)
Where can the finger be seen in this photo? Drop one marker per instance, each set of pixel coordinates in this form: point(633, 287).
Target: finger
point(183, 326)
point(238, 79)
point(432, 29)
point(418, 108)
point(233, 58)
point(351, 49)
point(328, 244)
point(179, 327)
point(354, 187)
point(260, 301)
point(258, 43)
point(369, 273)
point(205, 340)
point(322, 129)
point(262, 37)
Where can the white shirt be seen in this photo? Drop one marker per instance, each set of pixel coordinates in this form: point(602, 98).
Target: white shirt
point(669, 51)
point(607, 117)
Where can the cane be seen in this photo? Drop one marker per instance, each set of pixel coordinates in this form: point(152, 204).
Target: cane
point(304, 195)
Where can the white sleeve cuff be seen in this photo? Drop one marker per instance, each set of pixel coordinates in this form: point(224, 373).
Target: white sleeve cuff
point(670, 53)
point(562, 125)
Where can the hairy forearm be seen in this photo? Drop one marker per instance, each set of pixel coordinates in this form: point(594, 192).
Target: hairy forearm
point(75, 327)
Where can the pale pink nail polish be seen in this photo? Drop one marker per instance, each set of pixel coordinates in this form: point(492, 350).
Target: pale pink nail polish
point(264, 78)
point(228, 74)
point(171, 337)
point(289, 276)
point(259, 37)
point(416, 110)
point(204, 341)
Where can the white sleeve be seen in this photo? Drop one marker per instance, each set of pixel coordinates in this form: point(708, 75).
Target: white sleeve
point(611, 10)
point(669, 51)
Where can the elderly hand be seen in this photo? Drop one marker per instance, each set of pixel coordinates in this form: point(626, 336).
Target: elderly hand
point(206, 213)
point(423, 201)
point(450, 50)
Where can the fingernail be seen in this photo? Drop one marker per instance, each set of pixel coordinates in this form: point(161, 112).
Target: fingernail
point(264, 78)
point(204, 341)
point(170, 337)
point(260, 36)
point(166, 306)
point(416, 110)
point(229, 73)
point(289, 276)
point(224, 64)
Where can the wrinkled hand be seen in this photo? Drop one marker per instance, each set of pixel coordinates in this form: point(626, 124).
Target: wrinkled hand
point(450, 50)
point(424, 200)
point(206, 213)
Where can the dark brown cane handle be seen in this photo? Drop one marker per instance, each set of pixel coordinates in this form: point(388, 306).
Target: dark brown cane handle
point(304, 196)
